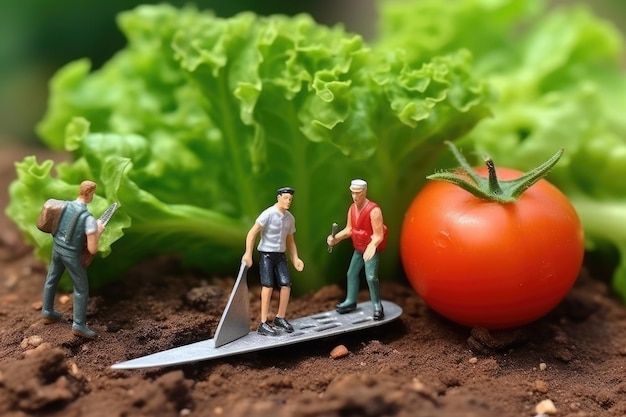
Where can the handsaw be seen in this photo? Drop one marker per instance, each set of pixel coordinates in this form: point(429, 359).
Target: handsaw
point(103, 219)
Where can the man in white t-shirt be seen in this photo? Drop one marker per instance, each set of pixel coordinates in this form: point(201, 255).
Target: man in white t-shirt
point(276, 226)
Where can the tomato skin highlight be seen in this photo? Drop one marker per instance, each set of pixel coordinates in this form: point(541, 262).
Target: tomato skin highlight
point(489, 264)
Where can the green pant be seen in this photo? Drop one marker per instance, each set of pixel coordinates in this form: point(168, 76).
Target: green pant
point(371, 275)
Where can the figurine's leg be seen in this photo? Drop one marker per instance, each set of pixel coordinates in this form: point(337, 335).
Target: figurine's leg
point(371, 275)
point(281, 271)
point(80, 299)
point(266, 299)
point(352, 290)
point(55, 270)
point(266, 271)
point(280, 320)
point(284, 282)
point(285, 293)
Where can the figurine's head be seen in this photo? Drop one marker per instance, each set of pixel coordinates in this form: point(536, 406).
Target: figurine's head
point(284, 195)
point(86, 191)
point(358, 189)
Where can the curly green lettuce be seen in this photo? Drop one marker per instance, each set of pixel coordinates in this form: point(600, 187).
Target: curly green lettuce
point(573, 98)
point(560, 80)
point(199, 119)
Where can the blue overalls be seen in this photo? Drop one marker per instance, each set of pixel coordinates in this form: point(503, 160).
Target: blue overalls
point(69, 243)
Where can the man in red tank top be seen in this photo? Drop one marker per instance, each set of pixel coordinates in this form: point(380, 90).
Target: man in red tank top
point(366, 228)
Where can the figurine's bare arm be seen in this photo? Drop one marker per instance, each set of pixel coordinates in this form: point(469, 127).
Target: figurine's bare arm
point(293, 252)
point(250, 238)
point(344, 233)
point(376, 217)
point(93, 239)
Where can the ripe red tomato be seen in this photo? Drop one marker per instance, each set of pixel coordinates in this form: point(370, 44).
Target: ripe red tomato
point(489, 264)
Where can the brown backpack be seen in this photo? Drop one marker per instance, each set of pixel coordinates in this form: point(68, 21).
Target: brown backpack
point(50, 215)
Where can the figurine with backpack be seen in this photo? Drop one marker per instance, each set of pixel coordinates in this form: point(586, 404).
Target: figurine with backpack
point(76, 234)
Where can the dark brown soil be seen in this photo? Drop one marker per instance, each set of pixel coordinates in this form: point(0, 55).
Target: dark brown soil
point(419, 365)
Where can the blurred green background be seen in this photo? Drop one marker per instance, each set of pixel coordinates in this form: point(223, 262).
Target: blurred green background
point(37, 37)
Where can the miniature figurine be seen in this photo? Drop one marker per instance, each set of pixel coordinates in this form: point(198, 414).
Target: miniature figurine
point(276, 226)
point(75, 229)
point(368, 232)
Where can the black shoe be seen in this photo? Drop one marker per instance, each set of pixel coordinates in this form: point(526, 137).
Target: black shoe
point(266, 329)
point(379, 314)
point(345, 308)
point(283, 324)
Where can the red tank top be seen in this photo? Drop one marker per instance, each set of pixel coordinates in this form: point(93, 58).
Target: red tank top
point(362, 227)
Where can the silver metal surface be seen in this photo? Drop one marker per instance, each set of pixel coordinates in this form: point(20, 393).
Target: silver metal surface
point(235, 321)
point(317, 326)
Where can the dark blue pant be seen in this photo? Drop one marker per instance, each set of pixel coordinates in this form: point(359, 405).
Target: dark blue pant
point(60, 262)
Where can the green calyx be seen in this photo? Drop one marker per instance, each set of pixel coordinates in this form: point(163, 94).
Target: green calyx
point(491, 188)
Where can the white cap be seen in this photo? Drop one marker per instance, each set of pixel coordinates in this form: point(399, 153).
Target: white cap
point(358, 185)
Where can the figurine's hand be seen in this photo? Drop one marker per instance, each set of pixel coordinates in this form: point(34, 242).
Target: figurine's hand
point(369, 253)
point(298, 264)
point(100, 227)
point(247, 259)
point(331, 240)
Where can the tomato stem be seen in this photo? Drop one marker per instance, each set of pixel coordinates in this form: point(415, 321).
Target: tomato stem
point(491, 188)
point(494, 185)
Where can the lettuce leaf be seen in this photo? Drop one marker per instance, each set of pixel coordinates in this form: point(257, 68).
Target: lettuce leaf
point(573, 99)
point(559, 77)
point(199, 119)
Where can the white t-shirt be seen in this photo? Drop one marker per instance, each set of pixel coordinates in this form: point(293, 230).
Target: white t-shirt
point(275, 227)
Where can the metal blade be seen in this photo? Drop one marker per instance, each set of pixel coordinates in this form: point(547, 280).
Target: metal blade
point(312, 327)
point(235, 320)
point(108, 213)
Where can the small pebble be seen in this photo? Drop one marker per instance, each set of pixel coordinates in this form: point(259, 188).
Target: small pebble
point(64, 299)
point(31, 341)
point(339, 352)
point(542, 366)
point(473, 360)
point(74, 369)
point(541, 386)
point(418, 386)
point(35, 340)
point(37, 305)
point(545, 407)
